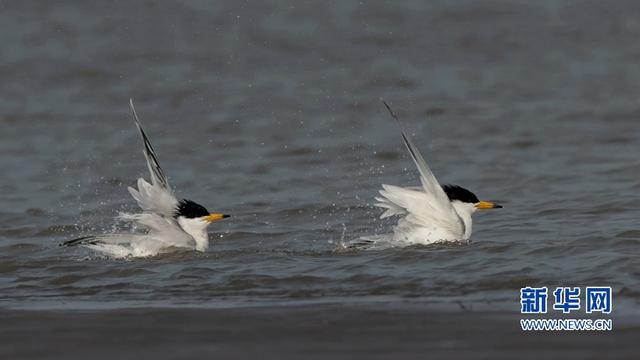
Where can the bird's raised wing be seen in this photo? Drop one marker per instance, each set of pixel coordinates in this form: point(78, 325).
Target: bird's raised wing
point(423, 209)
point(158, 176)
point(429, 208)
point(158, 196)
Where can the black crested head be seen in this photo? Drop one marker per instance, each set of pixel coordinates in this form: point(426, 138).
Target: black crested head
point(455, 192)
point(190, 209)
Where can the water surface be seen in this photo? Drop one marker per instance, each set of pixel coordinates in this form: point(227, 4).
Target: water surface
point(270, 111)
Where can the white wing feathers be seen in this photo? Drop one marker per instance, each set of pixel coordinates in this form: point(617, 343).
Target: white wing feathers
point(158, 196)
point(421, 210)
point(395, 205)
point(161, 229)
point(428, 206)
point(428, 180)
point(153, 198)
point(392, 206)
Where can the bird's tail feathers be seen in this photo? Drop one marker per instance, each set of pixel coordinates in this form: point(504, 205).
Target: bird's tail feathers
point(98, 240)
point(372, 242)
point(85, 240)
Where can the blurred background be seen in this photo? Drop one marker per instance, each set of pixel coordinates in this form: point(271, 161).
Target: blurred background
point(270, 111)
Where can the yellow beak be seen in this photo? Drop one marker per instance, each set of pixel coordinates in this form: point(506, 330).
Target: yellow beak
point(487, 205)
point(215, 217)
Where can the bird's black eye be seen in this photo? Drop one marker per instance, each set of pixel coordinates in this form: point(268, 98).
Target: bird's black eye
point(455, 192)
point(190, 210)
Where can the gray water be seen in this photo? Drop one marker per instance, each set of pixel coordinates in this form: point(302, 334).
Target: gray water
point(270, 112)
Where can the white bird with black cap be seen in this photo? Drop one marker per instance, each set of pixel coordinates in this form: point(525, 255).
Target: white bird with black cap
point(429, 213)
point(167, 223)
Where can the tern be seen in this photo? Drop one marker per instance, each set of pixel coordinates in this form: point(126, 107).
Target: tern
point(168, 223)
point(430, 213)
